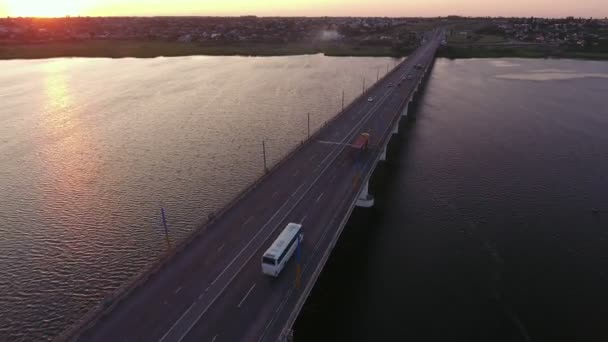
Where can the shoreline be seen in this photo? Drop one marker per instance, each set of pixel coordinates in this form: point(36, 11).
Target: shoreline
point(468, 52)
point(154, 49)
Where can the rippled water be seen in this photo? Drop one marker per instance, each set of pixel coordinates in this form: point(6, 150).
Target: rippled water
point(483, 228)
point(91, 149)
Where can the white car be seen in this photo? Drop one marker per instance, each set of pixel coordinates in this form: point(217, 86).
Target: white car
point(370, 99)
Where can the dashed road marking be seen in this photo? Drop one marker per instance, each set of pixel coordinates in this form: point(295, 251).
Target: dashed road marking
point(246, 295)
point(219, 249)
point(319, 198)
point(248, 220)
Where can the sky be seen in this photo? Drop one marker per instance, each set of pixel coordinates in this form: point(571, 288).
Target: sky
point(390, 8)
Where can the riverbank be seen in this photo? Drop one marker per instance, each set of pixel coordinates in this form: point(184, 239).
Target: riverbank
point(150, 49)
point(460, 52)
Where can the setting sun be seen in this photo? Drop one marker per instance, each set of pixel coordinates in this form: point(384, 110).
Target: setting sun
point(43, 8)
point(391, 8)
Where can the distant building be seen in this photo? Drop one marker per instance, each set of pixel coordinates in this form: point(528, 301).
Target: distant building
point(185, 38)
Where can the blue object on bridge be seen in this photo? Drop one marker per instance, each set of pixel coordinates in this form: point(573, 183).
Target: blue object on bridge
point(162, 213)
point(298, 251)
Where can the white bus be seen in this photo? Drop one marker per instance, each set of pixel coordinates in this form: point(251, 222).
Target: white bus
point(275, 258)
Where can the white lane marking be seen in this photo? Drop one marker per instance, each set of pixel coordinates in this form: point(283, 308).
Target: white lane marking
point(214, 338)
point(329, 142)
point(298, 189)
point(246, 295)
point(221, 247)
point(248, 220)
point(215, 280)
point(319, 198)
point(178, 289)
point(303, 219)
point(184, 314)
point(349, 135)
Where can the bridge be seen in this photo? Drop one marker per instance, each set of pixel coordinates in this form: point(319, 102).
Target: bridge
point(212, 287)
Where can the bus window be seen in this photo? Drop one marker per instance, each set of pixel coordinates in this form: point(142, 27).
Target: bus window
point(268, 260)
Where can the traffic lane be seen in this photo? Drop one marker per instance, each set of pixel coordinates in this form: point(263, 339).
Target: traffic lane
point(256, 306)
point(265, 297)
point(327, 228)
point(313, 230)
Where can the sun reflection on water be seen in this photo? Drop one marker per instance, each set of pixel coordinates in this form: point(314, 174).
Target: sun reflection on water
point(66, 153)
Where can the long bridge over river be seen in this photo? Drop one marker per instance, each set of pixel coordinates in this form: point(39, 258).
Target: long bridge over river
point(212, 288)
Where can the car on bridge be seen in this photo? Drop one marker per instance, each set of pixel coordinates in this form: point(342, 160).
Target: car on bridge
point(370, 99)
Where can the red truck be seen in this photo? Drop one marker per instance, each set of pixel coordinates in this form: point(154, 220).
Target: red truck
point(362, 142)
point(360, 146)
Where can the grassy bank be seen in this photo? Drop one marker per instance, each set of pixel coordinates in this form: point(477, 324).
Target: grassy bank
point(454, 52)
point(148, 49)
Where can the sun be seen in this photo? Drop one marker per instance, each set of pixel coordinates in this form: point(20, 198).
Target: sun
point(43, 8)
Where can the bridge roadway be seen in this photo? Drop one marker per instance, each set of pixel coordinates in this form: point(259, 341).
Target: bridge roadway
point(214, 289)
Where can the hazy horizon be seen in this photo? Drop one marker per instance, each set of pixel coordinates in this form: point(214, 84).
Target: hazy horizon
point(306, 8)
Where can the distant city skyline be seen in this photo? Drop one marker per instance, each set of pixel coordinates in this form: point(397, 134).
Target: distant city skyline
point(389, 8)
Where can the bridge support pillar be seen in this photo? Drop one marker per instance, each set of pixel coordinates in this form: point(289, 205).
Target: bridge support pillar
point(405, 110)
point(383, 154)
point(365, 199)
point(396, 128)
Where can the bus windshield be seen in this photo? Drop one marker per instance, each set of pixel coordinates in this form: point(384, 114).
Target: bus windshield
point(268, 260)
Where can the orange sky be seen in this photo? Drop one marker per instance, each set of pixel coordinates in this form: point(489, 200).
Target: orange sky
point(548, 8)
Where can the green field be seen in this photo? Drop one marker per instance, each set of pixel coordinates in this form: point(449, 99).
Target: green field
point(454, 52)
point(457, 39)
point(148, 49)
